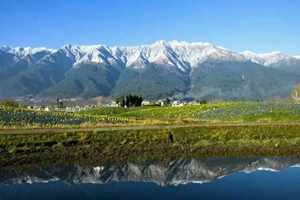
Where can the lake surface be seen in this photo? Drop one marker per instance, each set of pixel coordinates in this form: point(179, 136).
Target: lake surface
point(234, 178)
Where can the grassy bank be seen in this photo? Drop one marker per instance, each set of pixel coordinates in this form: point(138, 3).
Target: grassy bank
point(144, 145)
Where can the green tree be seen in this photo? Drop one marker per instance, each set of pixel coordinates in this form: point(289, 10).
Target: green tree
point(167, 101)
point(203, 102)
point(9, 103)
point(129, 100)
point(60, 104)
point(120, 101)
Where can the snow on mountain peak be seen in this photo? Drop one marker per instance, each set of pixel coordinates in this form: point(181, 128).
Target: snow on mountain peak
point(253, 57)
point(298, 57)
point(268, 59)
point(275, 54)
point(248, 52)
point(273, 57)
point(178, 43)
point(87, 53)
point(23, 51)
point(176, 53)
point(160, 42)
point(180, 53)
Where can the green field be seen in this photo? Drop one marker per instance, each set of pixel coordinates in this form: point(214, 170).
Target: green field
point(232, 112)
point(25, 118)
point(218, 112)
point(162, 113)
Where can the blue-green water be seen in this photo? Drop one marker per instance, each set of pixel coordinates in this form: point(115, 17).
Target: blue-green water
point(251, 178)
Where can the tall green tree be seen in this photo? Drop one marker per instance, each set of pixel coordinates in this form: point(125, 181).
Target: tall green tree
point(120, 101)
point(129, 100)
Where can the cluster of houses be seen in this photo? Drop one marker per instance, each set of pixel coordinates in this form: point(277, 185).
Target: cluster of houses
point(157, 103)
point(162, 103)
point(39, 100)
point(63, 109)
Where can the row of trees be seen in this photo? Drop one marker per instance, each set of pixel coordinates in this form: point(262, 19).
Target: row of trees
point(202, 101)
point(129, 100)
point(9, 103)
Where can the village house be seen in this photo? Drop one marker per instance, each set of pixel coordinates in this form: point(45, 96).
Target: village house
point(150, 103)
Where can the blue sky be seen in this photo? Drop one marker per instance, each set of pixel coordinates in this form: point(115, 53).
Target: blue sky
point(256, 25)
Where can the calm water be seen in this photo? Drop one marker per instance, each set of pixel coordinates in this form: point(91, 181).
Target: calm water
point(250, 178)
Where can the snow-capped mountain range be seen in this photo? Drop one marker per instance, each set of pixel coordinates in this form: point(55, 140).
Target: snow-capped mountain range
point(180, 67)
point(176, 53)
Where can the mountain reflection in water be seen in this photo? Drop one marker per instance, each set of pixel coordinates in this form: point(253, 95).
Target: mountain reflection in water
point(174, 173)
